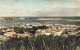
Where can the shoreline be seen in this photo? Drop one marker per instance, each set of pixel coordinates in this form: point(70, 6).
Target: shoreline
point(57, 19)
point(10, 19)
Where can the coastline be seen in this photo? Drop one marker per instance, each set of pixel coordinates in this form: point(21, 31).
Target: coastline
point(57, 19)
point(9, 19)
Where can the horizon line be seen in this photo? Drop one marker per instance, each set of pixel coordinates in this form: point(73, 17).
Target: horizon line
point(40, 16)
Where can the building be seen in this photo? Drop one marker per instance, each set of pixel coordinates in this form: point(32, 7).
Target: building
point(23, 35)
point(7, 34)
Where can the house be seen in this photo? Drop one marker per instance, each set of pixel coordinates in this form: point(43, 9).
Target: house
point(47, 33)
point(2, 36)
point(7, 34)
point(22, 35)
point(58, 33)
point(44, 32)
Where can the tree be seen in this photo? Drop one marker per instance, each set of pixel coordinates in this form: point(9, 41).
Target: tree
point(19, 30)
point(1, 33)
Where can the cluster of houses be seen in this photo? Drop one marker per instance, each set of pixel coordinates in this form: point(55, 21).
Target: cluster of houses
point(41, 29)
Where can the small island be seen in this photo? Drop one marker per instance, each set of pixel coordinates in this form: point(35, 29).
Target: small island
point(50, 19)
point(45, 19)
point(8, 19)
point(57, 19)
point(21, 18)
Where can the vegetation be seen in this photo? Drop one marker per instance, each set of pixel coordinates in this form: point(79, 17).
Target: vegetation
point(32, 30)
point(1, 33)
point(19, 30)
point(42, 42)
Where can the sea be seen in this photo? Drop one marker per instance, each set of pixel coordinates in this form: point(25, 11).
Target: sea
point(33, 20)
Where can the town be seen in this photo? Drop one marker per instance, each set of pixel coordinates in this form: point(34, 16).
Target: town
point(23, 30)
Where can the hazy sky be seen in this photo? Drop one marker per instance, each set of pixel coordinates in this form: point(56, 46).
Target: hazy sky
point(39, 8)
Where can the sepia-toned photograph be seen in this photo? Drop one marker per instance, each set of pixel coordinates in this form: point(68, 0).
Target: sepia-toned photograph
point(39, 24)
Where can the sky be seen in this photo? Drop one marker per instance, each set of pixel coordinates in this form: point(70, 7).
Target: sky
point(39, 8)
